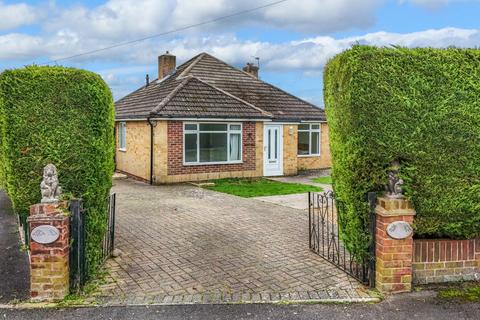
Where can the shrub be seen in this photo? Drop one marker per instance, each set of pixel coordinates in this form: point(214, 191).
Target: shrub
point(64, 116)
point(419, 106)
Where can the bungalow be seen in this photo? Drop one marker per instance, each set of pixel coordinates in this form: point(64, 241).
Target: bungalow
point(206, 119)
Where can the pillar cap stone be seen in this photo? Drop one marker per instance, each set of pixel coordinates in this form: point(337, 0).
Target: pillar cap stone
point(48, 209)
point(392, 207)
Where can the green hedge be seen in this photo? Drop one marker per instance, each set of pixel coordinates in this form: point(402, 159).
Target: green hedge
point(64, 116)
point(421, 106)
point(2, 161)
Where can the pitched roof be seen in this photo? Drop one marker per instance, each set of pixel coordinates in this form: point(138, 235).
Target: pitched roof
point(206, 87)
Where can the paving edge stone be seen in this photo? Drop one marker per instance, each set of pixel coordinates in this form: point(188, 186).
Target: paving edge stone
point(309, 301)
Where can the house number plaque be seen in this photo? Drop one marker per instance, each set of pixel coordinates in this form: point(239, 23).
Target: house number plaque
point(399, 230)
point(45, 234)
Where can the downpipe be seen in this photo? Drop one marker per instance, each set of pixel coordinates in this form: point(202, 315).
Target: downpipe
point(152, 124)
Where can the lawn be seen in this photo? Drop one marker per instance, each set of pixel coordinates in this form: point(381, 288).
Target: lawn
point(259, 187)
point(323, 180)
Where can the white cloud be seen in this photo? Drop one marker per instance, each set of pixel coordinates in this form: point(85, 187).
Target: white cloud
point(17, 46)
point(115, 20)
point(438, 38)
point(325, 16)
point(311, 16)
point(308, 54)
point(127, 19)
point(15, 15)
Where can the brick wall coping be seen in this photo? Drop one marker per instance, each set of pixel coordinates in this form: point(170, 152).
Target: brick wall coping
point(56, 217)
point(395, 213)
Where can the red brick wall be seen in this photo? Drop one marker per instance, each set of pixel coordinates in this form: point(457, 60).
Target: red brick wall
point(49, 263)
point(439, 260)
point(175, 152)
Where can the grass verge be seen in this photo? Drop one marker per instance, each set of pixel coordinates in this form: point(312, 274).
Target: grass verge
point(467, 293)
point(258, 187)
point(87, 295)
point(323, 180)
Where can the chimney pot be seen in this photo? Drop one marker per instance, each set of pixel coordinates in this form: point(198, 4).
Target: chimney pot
point(252, 69)
point(166, 64)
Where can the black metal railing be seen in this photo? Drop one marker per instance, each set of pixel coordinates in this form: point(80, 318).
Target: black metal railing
point(325, 237)
point(22, 220)
point(78, 259)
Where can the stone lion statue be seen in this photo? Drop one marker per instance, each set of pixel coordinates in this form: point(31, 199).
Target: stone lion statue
point(50, 187)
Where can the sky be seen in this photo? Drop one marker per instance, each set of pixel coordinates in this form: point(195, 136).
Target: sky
point(293, 39)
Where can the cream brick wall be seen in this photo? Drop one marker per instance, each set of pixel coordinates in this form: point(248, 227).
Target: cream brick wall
point(318, 162)
point(160, 156)
point(290, 144)
point(136, 159)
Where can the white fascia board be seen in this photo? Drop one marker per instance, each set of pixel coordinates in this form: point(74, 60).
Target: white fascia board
point(212, 119)
point(126, 120)
point(313, 121)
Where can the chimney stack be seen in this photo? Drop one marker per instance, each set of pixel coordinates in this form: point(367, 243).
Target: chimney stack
point(252, 69)
point(166, 64)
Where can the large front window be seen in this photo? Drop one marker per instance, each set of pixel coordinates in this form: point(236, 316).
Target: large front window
point(309, 139)
point(212, 143)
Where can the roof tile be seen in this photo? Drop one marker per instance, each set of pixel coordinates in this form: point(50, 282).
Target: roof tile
point(207, 87)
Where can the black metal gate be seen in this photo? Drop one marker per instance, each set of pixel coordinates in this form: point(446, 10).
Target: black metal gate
point(109, 238)
point(325, 239)
point(78, 259)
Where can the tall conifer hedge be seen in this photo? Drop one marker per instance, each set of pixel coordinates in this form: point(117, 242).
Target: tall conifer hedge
point(420, 106)
point(63, 116)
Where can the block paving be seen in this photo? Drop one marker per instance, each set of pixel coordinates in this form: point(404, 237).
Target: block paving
point(183, 244)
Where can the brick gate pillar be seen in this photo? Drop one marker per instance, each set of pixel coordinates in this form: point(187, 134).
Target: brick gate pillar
point(49, 251)
point(394, 245)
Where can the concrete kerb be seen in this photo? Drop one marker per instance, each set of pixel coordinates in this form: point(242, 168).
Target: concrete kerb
point(33, 305)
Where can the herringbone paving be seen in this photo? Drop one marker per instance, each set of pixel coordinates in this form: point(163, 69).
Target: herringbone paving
point(183, 244)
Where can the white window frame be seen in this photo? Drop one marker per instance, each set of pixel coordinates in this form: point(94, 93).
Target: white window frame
point(122, 136)
point(197, 132)
point(310, 130)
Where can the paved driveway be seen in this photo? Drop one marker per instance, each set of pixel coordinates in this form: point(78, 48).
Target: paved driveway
point(183, 244)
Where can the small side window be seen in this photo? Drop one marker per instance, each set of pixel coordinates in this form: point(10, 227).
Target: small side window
point(122, 136)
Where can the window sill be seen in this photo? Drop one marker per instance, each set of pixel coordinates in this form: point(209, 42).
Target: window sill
point(122, 150)
point(210, 163)
point(308, 155)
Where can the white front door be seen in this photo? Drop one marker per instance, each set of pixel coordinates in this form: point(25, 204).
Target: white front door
point(273, 150)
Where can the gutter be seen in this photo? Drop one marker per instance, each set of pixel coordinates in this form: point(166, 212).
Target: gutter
point(211, 119)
